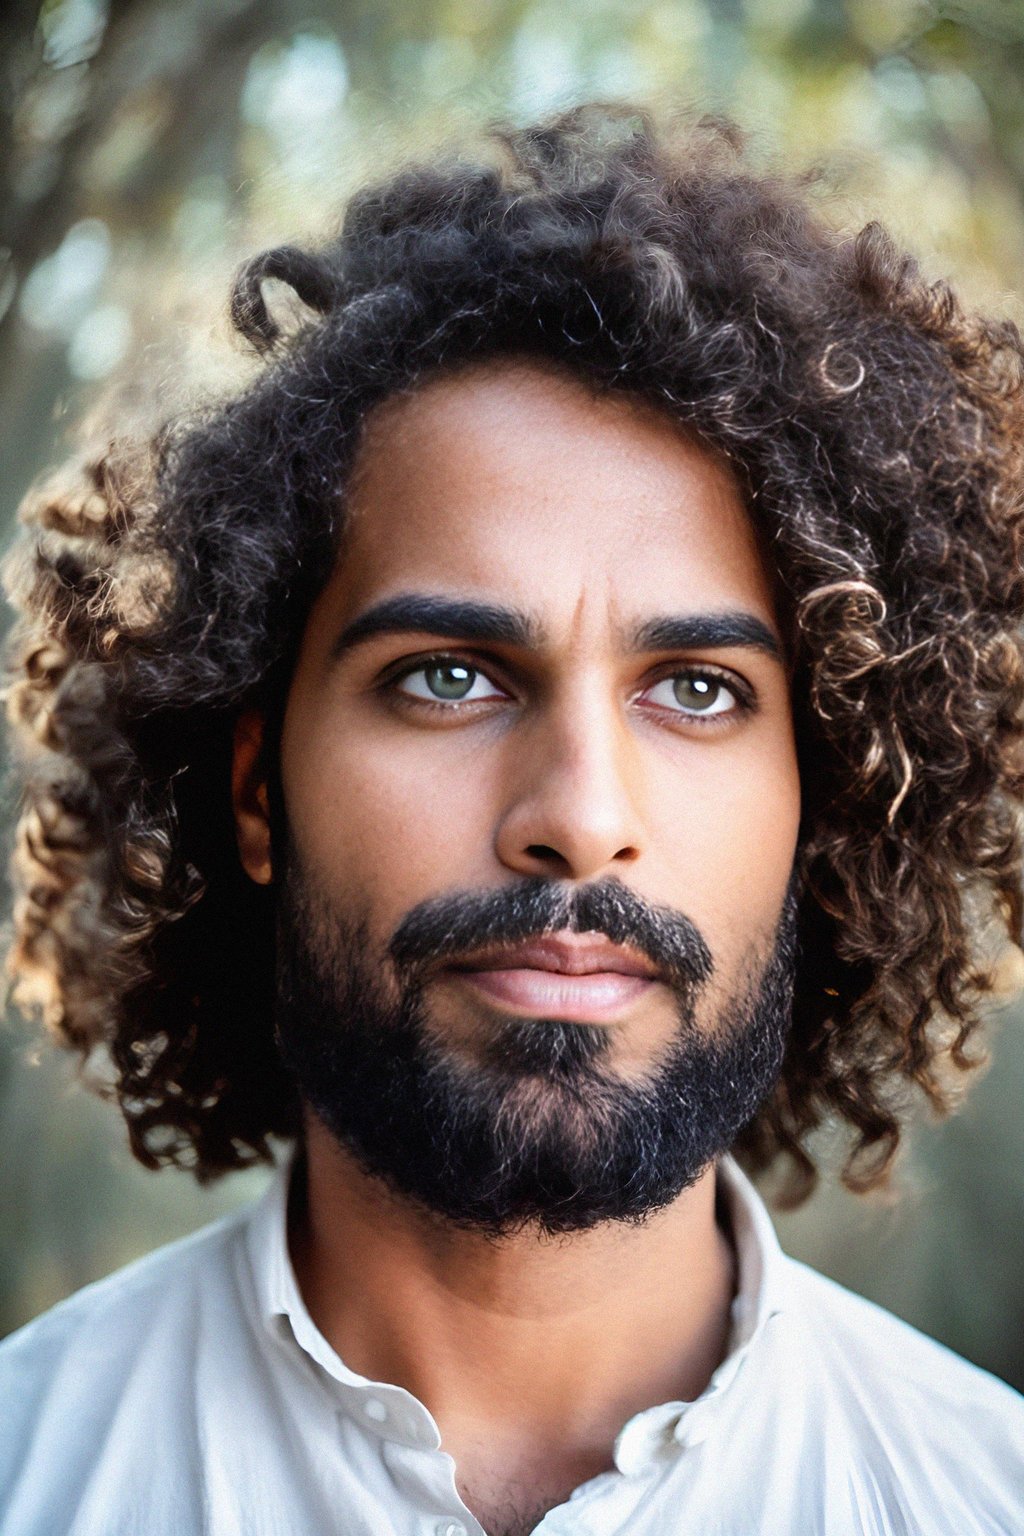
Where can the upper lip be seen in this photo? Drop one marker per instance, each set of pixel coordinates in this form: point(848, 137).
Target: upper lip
point(568, 954)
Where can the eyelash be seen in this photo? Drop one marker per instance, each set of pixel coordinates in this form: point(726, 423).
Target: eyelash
point(741, 691)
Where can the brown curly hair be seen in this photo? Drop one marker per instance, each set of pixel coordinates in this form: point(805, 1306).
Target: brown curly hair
point(878, 430)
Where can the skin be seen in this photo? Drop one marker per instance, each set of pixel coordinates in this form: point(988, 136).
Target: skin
point(512, 484)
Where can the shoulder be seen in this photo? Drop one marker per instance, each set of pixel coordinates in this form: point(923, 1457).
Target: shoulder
point(128, 1345)
point(947, 1432)
point(125, 1300)
point(858, 1335)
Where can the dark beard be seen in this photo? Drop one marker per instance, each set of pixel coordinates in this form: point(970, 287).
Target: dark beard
point(540, 1131)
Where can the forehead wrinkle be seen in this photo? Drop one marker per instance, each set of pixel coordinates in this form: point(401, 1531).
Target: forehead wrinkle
point(576, 624)
point(586, 609)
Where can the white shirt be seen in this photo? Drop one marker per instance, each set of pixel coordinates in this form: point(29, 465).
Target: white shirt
point(192, 1393)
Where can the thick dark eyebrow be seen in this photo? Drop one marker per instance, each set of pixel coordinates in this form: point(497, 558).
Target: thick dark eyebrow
point(706, 631)
point(455, 618)
point(488, 623)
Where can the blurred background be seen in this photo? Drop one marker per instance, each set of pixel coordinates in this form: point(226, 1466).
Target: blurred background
point(147, 145)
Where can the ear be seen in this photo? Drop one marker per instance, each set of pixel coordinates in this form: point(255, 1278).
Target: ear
point(249, 798)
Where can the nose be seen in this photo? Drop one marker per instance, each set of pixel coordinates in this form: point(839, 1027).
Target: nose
point(573, 806)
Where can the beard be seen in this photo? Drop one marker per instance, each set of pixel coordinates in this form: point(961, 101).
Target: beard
point(540, 1130)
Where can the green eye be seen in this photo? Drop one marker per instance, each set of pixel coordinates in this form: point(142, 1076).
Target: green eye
point(449, 679)
point(694, 693)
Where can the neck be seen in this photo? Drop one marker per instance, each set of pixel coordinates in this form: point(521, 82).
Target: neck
point(551, 1340)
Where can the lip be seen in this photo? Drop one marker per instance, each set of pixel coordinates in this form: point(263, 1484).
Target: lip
point(597, 997)
point(564, 954)
point(579, 978)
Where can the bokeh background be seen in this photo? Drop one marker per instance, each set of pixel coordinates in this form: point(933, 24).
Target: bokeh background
point(147, 145)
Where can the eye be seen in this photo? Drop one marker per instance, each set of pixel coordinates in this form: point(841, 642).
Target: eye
point(695, 693)
point(446, 680)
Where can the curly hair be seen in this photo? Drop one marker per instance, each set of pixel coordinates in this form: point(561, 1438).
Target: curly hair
point(878, 432)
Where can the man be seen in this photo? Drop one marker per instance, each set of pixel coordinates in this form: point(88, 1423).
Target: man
point(553, 731)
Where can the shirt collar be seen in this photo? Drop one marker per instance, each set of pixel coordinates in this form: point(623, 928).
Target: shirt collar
point(384, 1409)
point(761, 1266)
point(761, 1293)
point(659, 1434)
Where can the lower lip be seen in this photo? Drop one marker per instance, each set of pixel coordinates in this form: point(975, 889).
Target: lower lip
point(588, 999)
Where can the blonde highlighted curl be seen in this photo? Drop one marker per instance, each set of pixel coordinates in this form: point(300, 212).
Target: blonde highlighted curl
point(879, 432)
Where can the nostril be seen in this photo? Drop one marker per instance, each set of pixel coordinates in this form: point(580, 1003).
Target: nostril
point(545, 855)
point(550, 858)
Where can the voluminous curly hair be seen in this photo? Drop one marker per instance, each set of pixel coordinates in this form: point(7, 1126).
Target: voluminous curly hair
point(878, 432)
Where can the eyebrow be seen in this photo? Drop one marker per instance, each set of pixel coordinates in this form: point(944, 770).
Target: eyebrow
point(490, 623)
point(707, 631)
point(455, 618)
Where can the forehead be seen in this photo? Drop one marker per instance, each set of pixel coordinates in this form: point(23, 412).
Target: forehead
point(519, 483)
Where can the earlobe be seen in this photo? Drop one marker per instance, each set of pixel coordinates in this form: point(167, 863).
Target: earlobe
point(249, 798)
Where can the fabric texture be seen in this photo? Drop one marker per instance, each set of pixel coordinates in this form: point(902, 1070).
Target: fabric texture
point(192, 1393)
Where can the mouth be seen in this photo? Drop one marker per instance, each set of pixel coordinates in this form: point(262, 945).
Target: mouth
point(576, 977)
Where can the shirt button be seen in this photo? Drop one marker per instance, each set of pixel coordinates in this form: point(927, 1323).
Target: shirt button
point(451, 1528)
point(376, 1410)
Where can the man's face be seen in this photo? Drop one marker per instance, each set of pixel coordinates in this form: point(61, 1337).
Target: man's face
point(547, 667)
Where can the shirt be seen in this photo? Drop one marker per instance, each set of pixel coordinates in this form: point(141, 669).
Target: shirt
point(192, 1393)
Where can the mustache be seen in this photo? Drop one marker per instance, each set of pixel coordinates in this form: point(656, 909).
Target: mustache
point(444, 928)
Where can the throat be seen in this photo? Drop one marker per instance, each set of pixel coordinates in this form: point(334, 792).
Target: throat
point(507, 1522)
point(515, 1507)
point(510, 1476)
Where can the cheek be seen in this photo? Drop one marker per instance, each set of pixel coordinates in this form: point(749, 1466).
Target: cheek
point(728, 834)
point(387, 820)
